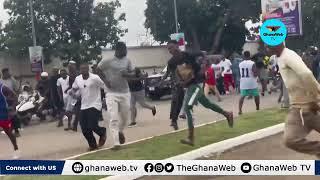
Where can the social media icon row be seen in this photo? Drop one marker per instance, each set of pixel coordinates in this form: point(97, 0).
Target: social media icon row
point(159, 168)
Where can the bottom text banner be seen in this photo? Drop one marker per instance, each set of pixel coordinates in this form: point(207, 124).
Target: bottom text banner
point(146, 167)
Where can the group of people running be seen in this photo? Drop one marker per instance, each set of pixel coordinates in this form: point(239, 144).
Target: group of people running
point(80, 93)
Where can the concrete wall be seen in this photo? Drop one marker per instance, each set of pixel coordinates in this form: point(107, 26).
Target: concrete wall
point(144, 57)
point(148, 58)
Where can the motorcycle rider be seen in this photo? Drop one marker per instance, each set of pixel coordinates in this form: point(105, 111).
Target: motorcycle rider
point(43, 87)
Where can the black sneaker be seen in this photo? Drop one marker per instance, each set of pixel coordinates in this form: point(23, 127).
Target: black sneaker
point(187, 142)
point(122, 139)
point(103, 139)
point(175, 126)
point(154, 111)
point(133, 124)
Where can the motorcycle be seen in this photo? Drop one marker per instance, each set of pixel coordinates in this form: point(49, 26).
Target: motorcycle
point(29, 104)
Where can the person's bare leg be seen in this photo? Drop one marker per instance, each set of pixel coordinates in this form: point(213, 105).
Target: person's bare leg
point(257, 101)
point(206, 90)
point(241, 101)
point(216, 92)
point(12, 138)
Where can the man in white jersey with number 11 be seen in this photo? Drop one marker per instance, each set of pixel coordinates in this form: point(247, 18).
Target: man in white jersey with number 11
point(248, 81)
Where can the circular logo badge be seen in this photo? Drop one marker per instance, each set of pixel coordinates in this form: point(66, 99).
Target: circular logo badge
point(273, 32)
point(77, 167)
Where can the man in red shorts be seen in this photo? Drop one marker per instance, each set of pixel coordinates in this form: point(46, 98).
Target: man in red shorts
point(210, 83)
point(8, 101)
point(227, 75)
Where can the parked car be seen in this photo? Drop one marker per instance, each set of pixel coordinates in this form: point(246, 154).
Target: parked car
point(152, 87)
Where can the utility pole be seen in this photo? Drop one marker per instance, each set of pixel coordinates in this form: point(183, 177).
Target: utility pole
point(32, 22)
point(176, 15)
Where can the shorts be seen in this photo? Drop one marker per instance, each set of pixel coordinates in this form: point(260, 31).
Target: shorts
point(6, 124)
point(249, 92)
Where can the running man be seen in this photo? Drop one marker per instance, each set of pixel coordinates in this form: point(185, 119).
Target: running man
point(89, 86)
point(114, 73)
point(227, 75)
point(189, 75)
point(248, 81)
point(62, 85)
point(177, 89)
point(9, 81)
point(138, 96)
point(8, 102)
point(73, 103)
point(304, 92)
point(210, 82)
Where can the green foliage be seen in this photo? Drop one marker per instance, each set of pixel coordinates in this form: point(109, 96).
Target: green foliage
point(69, 29)
point(201, 20)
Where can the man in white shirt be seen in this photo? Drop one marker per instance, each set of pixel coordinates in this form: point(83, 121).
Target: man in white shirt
point(63, 85)
point(248, 81)
point(89, 86)
point(227, 74)
point(218, 75)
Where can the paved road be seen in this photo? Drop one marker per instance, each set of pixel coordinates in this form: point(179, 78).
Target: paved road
point(46, 141)
point(270, 148)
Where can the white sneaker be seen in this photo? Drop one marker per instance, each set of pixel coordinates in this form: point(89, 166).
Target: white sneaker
point(2, 132)
point(65, 118)
point(16, 154)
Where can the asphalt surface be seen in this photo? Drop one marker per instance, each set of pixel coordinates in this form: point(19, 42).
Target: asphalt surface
point(46, 141)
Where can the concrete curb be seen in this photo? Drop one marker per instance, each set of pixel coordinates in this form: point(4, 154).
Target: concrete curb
point(217, 147)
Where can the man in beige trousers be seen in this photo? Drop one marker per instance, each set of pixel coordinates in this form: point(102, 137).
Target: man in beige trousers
point(304, 92)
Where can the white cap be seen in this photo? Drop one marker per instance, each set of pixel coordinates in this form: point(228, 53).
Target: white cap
point(44, 74)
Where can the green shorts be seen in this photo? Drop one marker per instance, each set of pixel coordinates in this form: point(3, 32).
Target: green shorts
point(249, 92)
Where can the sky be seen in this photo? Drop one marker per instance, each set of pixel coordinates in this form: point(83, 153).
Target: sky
point(134, 10)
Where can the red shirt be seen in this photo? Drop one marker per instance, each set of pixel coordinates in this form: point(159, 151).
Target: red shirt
point(210, 76)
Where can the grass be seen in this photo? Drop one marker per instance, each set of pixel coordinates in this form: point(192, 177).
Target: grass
point(166, 146)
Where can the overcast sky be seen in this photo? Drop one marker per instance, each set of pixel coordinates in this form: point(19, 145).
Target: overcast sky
point(134, 10)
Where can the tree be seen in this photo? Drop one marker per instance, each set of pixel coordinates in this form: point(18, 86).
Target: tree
point(311, 27)
point(211, 25)
point(70, 29)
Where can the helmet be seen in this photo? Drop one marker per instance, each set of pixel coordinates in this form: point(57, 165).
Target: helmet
point(44, 74)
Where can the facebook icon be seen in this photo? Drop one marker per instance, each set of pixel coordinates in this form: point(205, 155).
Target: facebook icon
point(148, 167)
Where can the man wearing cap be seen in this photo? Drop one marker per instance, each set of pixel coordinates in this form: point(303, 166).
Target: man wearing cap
point(43, 86)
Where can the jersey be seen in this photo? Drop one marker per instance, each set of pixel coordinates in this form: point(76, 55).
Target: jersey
point(247, 78)
point(217, 70)
point(4, 111)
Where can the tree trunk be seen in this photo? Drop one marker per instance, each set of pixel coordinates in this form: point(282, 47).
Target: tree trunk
point(218, 35)
point(195, 41)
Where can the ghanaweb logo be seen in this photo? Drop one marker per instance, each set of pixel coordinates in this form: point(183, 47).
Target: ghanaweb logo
point(273, 32)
